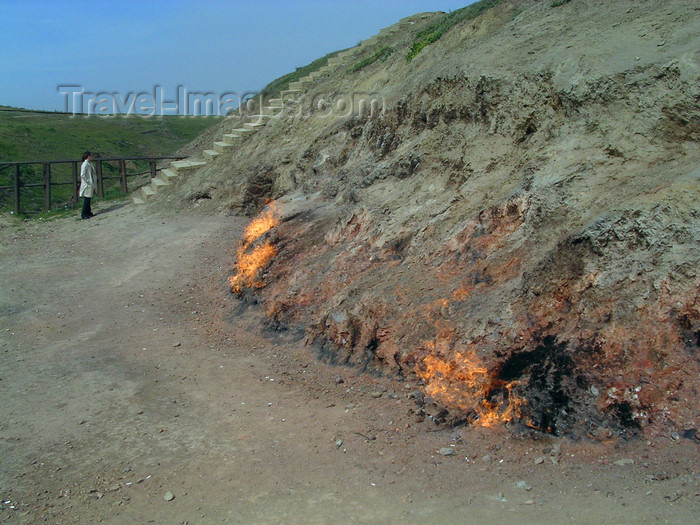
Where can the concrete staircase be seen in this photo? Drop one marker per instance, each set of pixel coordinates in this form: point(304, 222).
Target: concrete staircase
point(164, 177)
point(230, 140)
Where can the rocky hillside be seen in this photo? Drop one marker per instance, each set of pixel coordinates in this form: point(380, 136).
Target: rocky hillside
point(518, 229)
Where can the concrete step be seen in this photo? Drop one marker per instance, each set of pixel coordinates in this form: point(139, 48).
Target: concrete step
point(157, 183)
point(210, 154)
point(221, 147)
point(232, 138)
point(141, 195)
point(260, 116)
point(166, 175)
point(290, 93)
point(299, 84)
point(241, 131)
point(253, 125)
point(187, 166)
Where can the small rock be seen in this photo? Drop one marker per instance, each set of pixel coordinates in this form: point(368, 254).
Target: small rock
point(689, 433)
point(447, 451)
point(169, 496)
point(175, 345)
point(486, 459)
point(675, 436)
point(539, 460)
point(419, 397)
point(528, 502)
point(339, 380)
point(338, 443)
point(523, 485)
point(435, 412)
point(375, 394)
point(621, 462)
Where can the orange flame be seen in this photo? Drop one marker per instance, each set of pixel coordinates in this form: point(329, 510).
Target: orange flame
point(250, 262)
point(464, 384)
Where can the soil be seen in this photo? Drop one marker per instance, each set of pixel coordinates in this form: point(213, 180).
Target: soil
point(137, 389)
point(526, 201)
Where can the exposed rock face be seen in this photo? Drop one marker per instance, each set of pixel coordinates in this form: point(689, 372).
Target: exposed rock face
point(528, 201)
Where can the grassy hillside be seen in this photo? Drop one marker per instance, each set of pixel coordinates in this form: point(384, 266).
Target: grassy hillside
point(39, 135)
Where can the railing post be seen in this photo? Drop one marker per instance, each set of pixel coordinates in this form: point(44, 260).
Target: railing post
point(76, 185)
point(47, 186)
point(100, 182)
point(17, 185)
point(152, 162)
point(122, 175)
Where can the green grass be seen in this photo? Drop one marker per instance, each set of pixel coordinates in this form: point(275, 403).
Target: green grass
point(435, 31)
point(41, 135)
point(557, 3)
point(380, 54)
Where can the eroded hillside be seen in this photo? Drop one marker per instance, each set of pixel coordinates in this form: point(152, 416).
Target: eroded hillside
point(518, 227)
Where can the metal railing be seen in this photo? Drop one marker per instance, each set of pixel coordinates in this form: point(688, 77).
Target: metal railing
point(47, 183)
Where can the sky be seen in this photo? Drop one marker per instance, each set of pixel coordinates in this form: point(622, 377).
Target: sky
point(57, 54)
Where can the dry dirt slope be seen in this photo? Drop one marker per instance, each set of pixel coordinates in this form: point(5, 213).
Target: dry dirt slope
point(519, 228)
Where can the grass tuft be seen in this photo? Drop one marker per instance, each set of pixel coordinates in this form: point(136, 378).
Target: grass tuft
point(380, 54)
point(435, 31)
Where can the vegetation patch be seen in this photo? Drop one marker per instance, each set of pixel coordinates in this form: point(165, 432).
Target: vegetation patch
point(27, 135)
point(380, 54)
point(557, 3)
point(435, 31)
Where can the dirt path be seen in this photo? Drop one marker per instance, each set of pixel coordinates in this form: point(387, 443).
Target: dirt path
point(128, 371)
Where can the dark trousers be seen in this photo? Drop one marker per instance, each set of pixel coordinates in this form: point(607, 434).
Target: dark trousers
point(87, 210)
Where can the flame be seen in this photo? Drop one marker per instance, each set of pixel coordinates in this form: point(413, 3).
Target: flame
point(464, 384)
point(250, 262)
point(261, 225)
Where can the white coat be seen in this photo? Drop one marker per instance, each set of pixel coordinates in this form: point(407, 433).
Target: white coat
point(88, 180)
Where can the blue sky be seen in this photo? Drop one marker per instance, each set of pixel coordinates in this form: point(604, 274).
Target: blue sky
point(120, 46)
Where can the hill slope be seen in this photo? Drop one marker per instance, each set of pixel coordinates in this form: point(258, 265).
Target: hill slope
point(519, 227)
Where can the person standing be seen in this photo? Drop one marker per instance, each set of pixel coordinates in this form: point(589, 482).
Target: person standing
point(88, 185)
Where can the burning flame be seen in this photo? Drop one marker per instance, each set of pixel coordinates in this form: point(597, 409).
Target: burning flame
point(464, 384)
point(249, 262)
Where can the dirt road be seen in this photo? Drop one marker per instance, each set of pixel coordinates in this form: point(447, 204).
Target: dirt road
point(136, 389)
